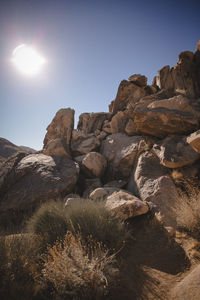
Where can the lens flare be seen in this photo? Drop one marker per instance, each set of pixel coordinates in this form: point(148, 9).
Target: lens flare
point(27, 60)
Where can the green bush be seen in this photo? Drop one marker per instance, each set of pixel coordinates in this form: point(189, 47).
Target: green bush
point(49, 222)
point(91, 219)
point(95, 220)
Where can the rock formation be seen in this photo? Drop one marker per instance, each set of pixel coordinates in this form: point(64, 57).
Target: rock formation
point(149, 130)
point(60, 128)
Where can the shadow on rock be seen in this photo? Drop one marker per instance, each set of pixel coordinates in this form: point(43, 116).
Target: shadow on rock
point(153, 247)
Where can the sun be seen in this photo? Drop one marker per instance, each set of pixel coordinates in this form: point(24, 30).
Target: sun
point(27, 60)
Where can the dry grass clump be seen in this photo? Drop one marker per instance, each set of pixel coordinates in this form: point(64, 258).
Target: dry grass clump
point(187, 209)
point(74, 270)
point(19, 265)
point(71, 269)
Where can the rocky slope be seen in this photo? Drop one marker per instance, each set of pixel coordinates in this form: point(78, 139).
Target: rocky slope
point(7, 149)
point(128, 152)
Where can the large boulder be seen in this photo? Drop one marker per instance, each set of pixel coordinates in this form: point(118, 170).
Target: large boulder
point(175, 152)
point(37, 178)
point(126, 205)
point(84, 143)
point(171, 116)
point(120, 151)
point(90, 122)
point(150, 182)
point(94, 164)
point(122, 203)
point(188, 288)
point(61, 127)
point(194, 140)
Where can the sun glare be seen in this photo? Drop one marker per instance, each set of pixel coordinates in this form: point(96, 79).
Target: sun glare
point(27, 60)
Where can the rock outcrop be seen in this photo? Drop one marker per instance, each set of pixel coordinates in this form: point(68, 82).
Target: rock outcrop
point(182, 77)
point(149, 130)
point(7, 149)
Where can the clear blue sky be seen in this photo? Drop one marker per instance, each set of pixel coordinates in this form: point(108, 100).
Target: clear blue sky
point(90, 47)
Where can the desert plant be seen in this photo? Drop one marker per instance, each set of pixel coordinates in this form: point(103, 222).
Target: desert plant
point(187, 211)
point(94, 220)
point(91, 219)
point(49, 222)
point(19, 266)
point(75, 270)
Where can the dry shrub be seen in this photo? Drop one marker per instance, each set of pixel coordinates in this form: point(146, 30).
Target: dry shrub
point(74, 270)
point(187, 209)
point(19, 266)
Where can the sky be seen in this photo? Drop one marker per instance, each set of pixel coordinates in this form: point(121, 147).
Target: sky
point(89, 47)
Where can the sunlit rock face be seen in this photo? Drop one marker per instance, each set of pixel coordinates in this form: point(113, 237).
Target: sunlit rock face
point(61, 128)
